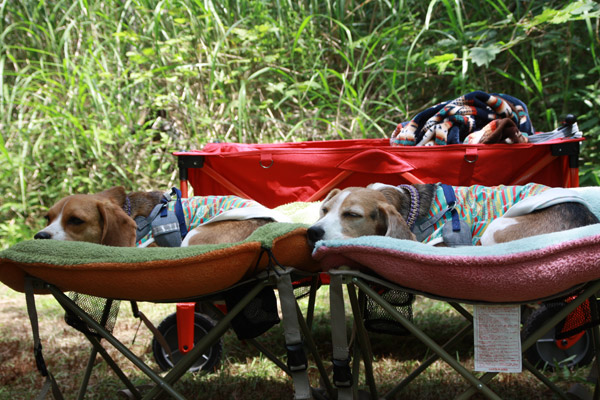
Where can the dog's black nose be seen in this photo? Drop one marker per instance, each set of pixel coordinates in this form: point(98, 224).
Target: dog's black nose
point(315, 233)
point(42, 235)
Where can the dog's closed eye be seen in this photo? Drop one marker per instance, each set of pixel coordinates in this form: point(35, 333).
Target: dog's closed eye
point(75, 221)
point(351, 214)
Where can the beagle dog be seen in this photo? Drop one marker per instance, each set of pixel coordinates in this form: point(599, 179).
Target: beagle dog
point(94, 218)
point(421, 211)
point(109, 218)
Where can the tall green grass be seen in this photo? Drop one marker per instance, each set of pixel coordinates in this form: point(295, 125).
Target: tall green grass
point(100, 93)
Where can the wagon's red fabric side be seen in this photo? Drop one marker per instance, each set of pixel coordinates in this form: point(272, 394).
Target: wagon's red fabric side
point(275, 174)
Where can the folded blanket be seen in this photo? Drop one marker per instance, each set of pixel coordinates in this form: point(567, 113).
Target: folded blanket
point(591, 196)
point(476, 117)
point(300, 211)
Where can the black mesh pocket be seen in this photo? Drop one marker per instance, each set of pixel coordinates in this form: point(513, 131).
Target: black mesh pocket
point(376, 319)
point(103, 311)
point(259, 315)
point(303, 285)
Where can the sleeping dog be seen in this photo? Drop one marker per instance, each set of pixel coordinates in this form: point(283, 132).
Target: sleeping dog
point(423, 212)
point(109, 218)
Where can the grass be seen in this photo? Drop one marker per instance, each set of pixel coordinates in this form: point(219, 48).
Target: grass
point(244, 372)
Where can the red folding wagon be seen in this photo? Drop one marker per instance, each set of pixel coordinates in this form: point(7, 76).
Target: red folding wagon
point(276, 174)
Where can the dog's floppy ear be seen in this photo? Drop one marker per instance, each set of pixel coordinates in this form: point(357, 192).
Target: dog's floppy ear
point(331, 194)
point(393, 196)
point(396, 225)
point(118, 229)
point(116, 194)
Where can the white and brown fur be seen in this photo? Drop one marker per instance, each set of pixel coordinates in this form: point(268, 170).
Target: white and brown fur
point(358, 211)
point(101, 218)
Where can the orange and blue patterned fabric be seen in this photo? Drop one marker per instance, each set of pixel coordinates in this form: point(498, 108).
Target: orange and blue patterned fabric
point(451, 122)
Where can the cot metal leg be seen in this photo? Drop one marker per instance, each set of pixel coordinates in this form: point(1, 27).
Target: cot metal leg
point(310, 344)
point(534, 371)
point(68, 304)
point(363, 340)
point(98, 349)
point(342, 374)
point(113, 365)
point(449, 344)
point(305, 325)
point(269, 354)
point(476, 383)
point(425, 364)
point(312, 297)
point(462, 311)
point(87, 374)
point(287, 291)
point(312, 347)
point(356, 354)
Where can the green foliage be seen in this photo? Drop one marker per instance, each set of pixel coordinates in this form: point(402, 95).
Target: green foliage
point(95, 94)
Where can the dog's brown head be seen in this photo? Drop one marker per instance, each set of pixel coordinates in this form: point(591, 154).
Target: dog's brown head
point(96, 218)
point(355, 212)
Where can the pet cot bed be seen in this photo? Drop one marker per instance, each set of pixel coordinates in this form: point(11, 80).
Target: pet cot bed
point(194, 273)
point(540, 268)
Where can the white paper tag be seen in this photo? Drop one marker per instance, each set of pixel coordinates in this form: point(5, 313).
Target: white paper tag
point(497, 338)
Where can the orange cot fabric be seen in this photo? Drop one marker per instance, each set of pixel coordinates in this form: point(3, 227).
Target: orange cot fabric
point(292, 250)
point(153, 274)
point(143, 281)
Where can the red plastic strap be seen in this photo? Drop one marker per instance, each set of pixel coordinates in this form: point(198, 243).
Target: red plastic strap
point(225, 182)
point(526, 176)
point(266, 160)
point(564, 344)
point(185, 326)
point(471, 155)
point(330, 185)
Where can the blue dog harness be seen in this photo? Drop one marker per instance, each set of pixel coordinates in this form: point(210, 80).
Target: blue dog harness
point(171, 220)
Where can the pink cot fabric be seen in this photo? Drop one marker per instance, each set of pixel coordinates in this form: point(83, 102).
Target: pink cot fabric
point(519, 277)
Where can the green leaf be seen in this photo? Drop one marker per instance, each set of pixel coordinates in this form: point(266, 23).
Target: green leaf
point(442, 61)
point(484, 55)
point(277, 87)
point(573, 11)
